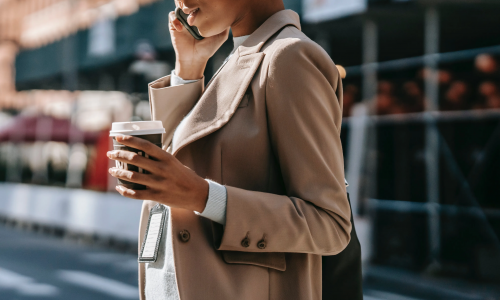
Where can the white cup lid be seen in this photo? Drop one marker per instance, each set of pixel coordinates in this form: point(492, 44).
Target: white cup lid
point(136, 128)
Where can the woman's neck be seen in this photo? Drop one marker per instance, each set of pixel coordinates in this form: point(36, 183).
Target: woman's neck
point(253, 17)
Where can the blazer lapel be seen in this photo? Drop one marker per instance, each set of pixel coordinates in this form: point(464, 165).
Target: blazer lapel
point(220, 100)
point(225, 91)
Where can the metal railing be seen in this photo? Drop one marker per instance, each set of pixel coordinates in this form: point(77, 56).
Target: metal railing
point(462, 172)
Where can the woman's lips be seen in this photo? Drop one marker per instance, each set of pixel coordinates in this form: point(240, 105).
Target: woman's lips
point(192, 16)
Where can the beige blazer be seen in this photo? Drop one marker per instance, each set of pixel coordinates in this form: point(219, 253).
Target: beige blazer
point(268, 128)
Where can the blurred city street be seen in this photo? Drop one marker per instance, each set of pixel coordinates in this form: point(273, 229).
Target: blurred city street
point(420, 136)
point(37, 266)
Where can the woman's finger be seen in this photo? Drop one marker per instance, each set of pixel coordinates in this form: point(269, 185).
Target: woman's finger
point(174, 23)
point(135, 159)
point(141, 144)
point(135, 194)
point(131, 176)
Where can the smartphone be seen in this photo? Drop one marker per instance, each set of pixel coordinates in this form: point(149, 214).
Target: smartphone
point(181, 16)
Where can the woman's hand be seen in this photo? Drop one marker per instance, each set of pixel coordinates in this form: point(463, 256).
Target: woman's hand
point(170, 182)
point(192, 55)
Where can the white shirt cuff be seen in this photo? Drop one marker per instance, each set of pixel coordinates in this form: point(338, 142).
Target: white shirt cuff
point(176, 80)
point(216, 203)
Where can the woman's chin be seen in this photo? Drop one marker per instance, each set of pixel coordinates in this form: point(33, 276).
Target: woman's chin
point(209, 32)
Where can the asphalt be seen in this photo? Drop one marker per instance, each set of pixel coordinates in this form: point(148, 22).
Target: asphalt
point(41, 266)
point(38, 266)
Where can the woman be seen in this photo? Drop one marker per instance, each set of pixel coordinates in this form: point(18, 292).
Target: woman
point(252, 178)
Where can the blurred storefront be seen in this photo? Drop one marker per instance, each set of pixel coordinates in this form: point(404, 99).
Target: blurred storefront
point(39, 45)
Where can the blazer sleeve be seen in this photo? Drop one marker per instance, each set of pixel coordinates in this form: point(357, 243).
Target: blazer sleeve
point(170, 104)
point(303, 100)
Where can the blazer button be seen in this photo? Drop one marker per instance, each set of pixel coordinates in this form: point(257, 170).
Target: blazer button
point(245, 242)
point(184, 235)
point(261, 244)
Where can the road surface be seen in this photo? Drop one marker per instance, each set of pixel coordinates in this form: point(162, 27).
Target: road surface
point(38, 266)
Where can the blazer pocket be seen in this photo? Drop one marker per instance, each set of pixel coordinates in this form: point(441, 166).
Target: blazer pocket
point(244, 101)
point(273, 260)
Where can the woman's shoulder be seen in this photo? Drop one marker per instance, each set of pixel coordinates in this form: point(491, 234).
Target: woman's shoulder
point(290, 46)
point(290, 42)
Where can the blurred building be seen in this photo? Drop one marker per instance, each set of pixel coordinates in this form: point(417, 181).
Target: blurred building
point(31, 24)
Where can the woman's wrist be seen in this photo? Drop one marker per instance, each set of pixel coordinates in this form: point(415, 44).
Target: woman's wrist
point(190, 70)
point(200, 196)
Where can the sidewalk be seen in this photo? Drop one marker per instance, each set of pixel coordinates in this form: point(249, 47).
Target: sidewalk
point(73, 211)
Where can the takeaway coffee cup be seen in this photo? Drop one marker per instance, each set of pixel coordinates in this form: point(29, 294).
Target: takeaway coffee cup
point(148, 130)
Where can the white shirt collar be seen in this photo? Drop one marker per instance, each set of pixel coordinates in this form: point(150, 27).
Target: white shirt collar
point(238, 40)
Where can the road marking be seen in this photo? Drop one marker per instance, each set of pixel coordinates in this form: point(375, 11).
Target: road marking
point(127, 266)
point(25, 285)
point(121, 262)
point(98, 283)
